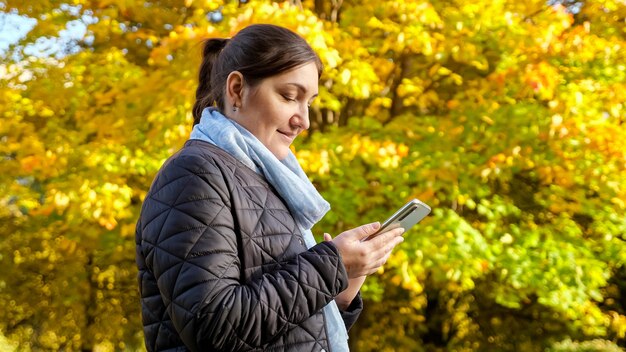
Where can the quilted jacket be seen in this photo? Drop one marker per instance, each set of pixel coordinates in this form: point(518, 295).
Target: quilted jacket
point(223, 266)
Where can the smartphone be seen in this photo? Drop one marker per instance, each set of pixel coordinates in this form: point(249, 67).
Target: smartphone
point(406, 217)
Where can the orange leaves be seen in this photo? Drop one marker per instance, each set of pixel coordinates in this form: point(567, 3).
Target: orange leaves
point(44, 165)
point(506, 116)
point(556, 174)
point(30, 163)
point(609, 139)
point(518, 158)
point(542, 78)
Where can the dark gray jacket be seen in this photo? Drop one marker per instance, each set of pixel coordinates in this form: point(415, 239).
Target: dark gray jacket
point(223, 266)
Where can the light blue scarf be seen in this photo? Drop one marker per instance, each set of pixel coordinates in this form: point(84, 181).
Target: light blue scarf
point(306, 205)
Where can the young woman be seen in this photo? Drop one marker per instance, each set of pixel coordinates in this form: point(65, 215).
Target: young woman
point(226, 257)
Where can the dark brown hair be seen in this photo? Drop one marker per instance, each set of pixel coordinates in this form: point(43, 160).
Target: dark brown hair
point(257, 52)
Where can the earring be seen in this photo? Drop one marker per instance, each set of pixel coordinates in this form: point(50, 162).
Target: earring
point(235, 108)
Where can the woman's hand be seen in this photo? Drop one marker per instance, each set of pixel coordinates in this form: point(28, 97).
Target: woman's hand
point(346, 296)
point(365, 257)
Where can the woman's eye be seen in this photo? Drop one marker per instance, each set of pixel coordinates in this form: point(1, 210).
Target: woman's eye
point(289, 98)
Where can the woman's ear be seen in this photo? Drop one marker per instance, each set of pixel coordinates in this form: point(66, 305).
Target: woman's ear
point(234, 89)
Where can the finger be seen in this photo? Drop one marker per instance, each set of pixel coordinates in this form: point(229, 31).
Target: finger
point(384, 242)
point(381, 239)
point(366, 230)
point(384, 250)
point(386, 258)
point(327, 237)
point(392, 244)
point(382, 261)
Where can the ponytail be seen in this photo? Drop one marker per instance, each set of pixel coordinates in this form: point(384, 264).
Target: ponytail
point(205, 96)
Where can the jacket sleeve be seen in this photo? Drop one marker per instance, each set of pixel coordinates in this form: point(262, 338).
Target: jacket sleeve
point(190, 244)
point(352, 313)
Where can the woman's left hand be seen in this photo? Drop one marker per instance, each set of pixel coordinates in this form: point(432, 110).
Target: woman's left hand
point(346, 296)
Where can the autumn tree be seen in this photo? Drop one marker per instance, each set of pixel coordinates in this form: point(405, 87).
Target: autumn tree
point(506, 117)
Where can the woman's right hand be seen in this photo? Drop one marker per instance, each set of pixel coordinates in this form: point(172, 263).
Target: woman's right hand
point(364, 257)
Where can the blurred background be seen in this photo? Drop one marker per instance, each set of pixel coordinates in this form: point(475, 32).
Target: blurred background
point(507, 117)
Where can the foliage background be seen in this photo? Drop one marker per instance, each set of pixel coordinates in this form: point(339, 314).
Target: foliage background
point(507, 117)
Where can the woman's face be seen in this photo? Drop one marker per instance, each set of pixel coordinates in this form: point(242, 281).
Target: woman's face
point(276, 110)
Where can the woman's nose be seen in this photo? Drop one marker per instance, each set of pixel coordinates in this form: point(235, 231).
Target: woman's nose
point(303, 117)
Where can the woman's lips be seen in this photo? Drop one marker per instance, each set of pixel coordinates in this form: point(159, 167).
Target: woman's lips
point(290, 136)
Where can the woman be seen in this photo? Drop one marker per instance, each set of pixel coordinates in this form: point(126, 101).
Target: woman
point(226, 258)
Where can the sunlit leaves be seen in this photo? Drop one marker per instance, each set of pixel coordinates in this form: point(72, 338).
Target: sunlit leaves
point(506, 117)
point(525, 148)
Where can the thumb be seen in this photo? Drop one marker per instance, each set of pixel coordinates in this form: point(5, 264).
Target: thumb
point(327, 237)
point(366, 230)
